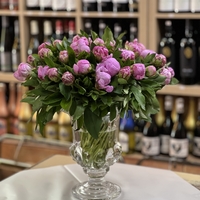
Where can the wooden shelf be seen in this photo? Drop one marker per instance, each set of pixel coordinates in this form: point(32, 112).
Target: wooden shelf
point(109, 15)
point(8, 77)
point(177, 15)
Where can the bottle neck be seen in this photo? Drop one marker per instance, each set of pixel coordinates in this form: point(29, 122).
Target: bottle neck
point(188, 29)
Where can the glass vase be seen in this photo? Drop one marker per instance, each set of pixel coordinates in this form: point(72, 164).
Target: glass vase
point(95, 156)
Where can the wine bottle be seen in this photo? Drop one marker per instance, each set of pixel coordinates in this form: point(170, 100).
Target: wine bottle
point(151, 139)
point(89, 5)
point(11, 107)
point(6, 45)
point(59, 5)
point(25, 125)
point(45, 4)
point(48, 32)
point(188, 56)
point(102, 26)
point(64, 127)
point(194, 6)
point(51, 128)
point(166, 126)
point(117, 30)
point(3, 110)
point(138, 131)
point(190, 118)
point(104, 5)
point(167, 46)
point(120, 5)
point(13, 5)
point(34, 38)
point(126, 133)
point(72, 30)
point(4, 4)
point(178, 143)
point(16, 47)
point(196, 138)
point(88, 26)
point(71, 5)
point(165, 5)
point(59, 29)
point(133, 5)
point(133, 32)
point(32, 4)
point(181, 6)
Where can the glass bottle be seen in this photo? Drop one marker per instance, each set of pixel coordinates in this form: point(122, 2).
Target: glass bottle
point(34, 38)
point(13, 5)
point(151, 139)
point(59, 29)
point(178, 143)
point(48, 32)
point(138, 131)
point(71, 5)
point(3, 110)
point(4, 4)
point(194, 6)
point(181, 6)
point(72, 30)
point(32, 4)
point(89, 5)
point(133, 32)
point(45, 4)
point(104, 5)
point(59, 5)
point(165, 5)
point(166, 126)
point(120, 5)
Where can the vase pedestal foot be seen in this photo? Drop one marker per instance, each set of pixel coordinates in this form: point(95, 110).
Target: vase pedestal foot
point(98, 191)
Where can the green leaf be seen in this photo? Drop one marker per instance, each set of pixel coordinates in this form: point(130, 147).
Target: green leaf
point(71, 55)
point(66, 104)
point(94, 35)
point(174, 81)
point(50, 63)
point(149, 58)
point(107, 35)
point(31, 82)
point(122, 81)
point(65, 91)
point(112, 112)
point(28, 99)
point(53, 98)
point(78, 112)
point(92, 123)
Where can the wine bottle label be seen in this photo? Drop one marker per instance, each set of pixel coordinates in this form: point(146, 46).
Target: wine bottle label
point(164, 144)
point(51, 131)
point(22, 128)
point(188, 52)
point(195, 5)
point(71, 5)
point(138, 141)
point(61, 5)
point(32, 3)
point(166, 51)
point(150, 146)
point(178, 148)
point(46, 3)
point(181, 5)
point(124, 141)
point(165, 5)
point(65, 133)
point(6, 61)
point(3, 126)
point(196, 146)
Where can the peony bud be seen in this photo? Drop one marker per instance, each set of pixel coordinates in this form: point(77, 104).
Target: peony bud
point(150, 71)
point(52, 73)
point(30, 59)
point(165, 72)
point(55, 42)
point(127, 54)
point(135, 46)
point(160, 60)
point(100, 52)
point(82, 67)
point(139, 71)
point(23, 71)
point(171, 71)
point(63, 56)
point(99, 42)
point(147, 52)
point(43, 45)
point(125, 72)
point(44, 52)
point(42, 72)
point(68, 78)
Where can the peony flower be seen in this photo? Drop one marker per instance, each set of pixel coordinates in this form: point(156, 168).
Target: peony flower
point(150, 71)
point(110, 66)
point(135, 46)
point(99, 42)
point(82, 67)
point(44, 45)
point(52, 73)
point(160, 60)
point(102, 81)
point(171, 71)
point(165, 72)
point(42, 72)
point(127, 54)
point(147, 52)
point(100, 52)
point(23, 71)
point(55, 42)
point(63, 56)
point(139, 71)
point(68, 78)
point(125, 72)
point(76, 38)
point(45, 52)
point(80, 45)
point(30, 59)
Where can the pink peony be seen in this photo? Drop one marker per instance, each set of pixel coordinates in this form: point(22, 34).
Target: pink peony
point(43, 45)
point(82, 67)
point(63, 56)
point(42, 72)
point(150, 71)
point(147, 52)
point(102, 81)
point(99, 42)
point(135, 46)
point(171, 71)
point(23, 71)
point(68, 78)
point(127, 54)
point(139, 71)
point(100, 52)
point(160, 60)
point(52, 73)
point(45, 52)
point(165, 72)
point(125, 72)
point(30, 59)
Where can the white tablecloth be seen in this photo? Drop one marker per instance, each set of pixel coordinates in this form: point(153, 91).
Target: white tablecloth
point(136, 182)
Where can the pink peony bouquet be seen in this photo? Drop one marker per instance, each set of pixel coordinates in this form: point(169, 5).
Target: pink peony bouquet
point(92, 76)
